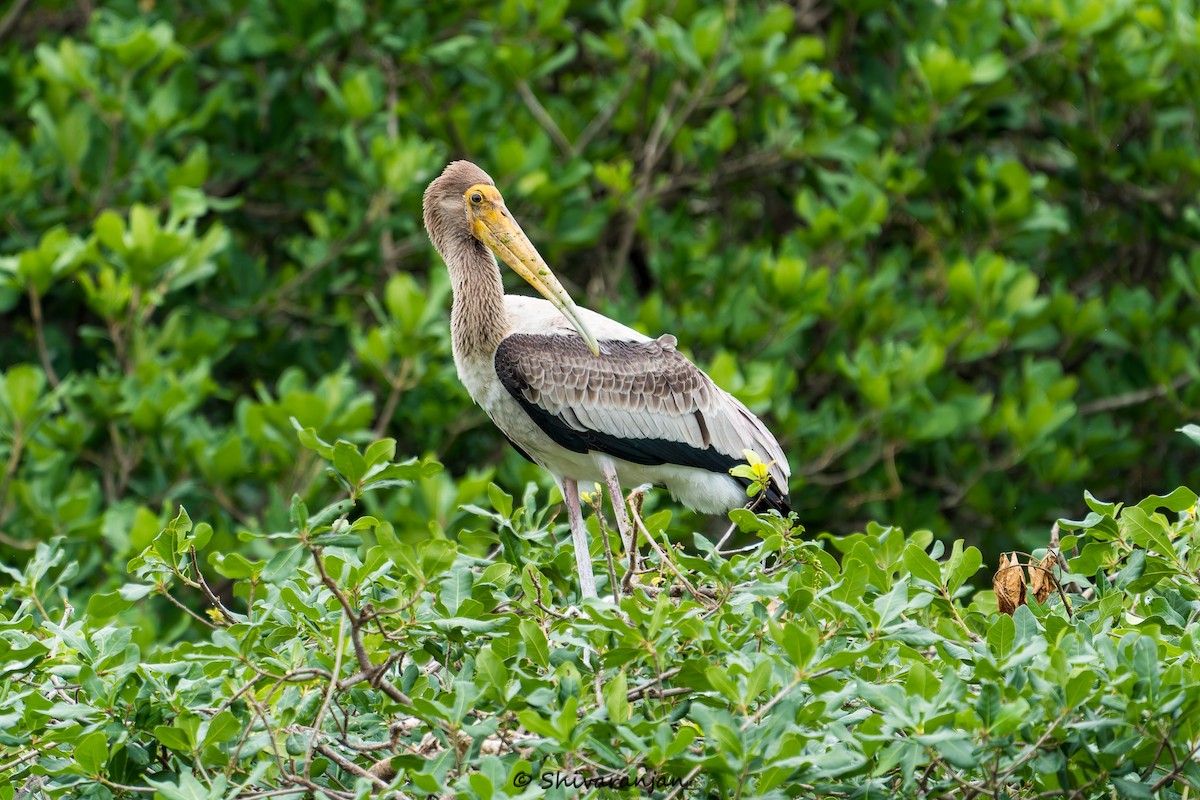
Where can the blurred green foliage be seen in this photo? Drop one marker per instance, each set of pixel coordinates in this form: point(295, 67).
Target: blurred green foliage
point(947, 251)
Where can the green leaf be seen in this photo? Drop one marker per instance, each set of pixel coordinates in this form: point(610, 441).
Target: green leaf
point(283, 564)
point(456, 587)
point(1094, 556)
point(963, 569)
point(185, 788)
point(891, 605)
point(222, 728)
point(380, 452)
point(174, 738)
point(921, 565)
point(1182, 499)
point(308, 437)
point(1148, 531)
point(235, 565)
point(91, 752)
point(349, 462)
point(107, 605)
point(23, 387)
point(1132, 789)
point(1099, 506)
point(615, 699)
point(501, 501)
point(492, 669)
point(536, 646)
point(1001, 636)
point(436, 556)
point(988, 705)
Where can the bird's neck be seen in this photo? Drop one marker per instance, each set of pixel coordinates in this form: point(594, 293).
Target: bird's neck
point(478, 319)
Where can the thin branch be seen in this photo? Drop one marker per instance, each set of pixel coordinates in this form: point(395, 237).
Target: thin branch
point(613, 586)
point(543, 117)
point(350, 766)
point(121, 787)
point(1177, 771)
point(324, 709)
point(399, 383)
point(537, 600)
point(360, 651)
point(10, 469)
point(203, 584)
point(188, 611)
point(601, 120)
point(661, 136)
point(16, 544)
point(325, 791)
point(19, 760)
point(1136, 397)
point(39, 334)
point(637, 521)
point(12, 17)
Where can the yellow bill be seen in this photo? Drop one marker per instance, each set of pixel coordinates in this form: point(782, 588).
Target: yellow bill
point(495, 227)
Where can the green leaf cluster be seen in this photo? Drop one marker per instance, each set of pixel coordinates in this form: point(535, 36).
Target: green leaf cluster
point(358, 665)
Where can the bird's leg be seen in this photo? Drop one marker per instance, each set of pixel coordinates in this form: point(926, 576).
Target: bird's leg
point(583, 556)
point(619, 511)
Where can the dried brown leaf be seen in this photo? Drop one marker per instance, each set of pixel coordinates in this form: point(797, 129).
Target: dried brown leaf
point(1041, 577)
point(1009, 584)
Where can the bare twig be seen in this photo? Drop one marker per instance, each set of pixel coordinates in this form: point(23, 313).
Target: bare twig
point(315, 743)
point(19, 760)
point(601, 120)
point(537, 599)
point(12, 17)
point(655, 681)
point(360, 651)
point(203, 584)
point(725, 537)
point(543, 117)
point(39, 333)
point(1136, 397)
point(614, 587)
point(350, 766)
point(399, 384)
point(641, 526)
point(1177, 771)
point(207, 622)
point(16, 544)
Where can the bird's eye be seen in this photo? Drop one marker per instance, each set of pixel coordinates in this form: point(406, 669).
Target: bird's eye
point(477, 197)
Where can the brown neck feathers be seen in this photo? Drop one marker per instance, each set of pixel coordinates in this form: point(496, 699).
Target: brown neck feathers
point(478, 320)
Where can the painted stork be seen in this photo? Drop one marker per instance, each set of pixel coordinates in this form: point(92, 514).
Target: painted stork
point(579, 394)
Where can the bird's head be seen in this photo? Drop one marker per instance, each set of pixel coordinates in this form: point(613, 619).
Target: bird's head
point(463, 203)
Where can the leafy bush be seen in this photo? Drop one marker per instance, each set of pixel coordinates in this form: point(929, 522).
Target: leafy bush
point(364, 665)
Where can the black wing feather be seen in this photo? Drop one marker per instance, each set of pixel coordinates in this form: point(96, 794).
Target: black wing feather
point(521, 364)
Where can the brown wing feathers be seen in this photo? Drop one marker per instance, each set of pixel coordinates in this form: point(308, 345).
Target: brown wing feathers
point(641, 401)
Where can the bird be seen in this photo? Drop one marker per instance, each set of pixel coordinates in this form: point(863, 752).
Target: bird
point(579, 394)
